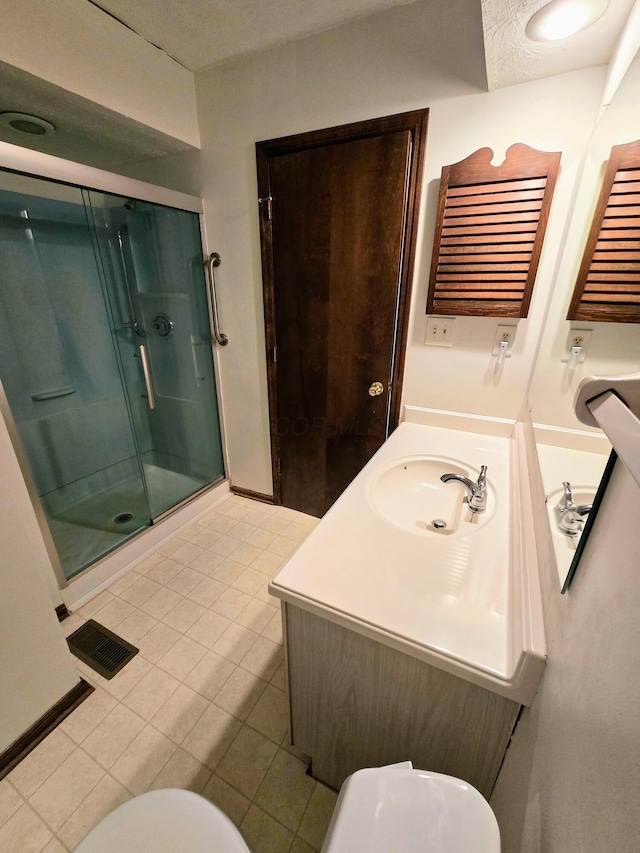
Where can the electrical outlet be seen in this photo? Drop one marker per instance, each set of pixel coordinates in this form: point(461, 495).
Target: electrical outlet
point(577, 338)
point(439, 332)
point(504, 333)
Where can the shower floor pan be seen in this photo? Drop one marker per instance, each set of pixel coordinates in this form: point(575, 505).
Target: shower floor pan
point(86, 531)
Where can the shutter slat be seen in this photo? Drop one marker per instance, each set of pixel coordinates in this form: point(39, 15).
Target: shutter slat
point(627, 174)
point(483, 276)
point(497, 187)
point(533, 196)
point(615, 298)
point(511, 212)
point(504, 240)
point(498, 228)
point(617, 245)
point(623, 187)
point(516, 295)
point(489, 250)
point(471, 267)
point(609, 233)
point(595, 275)
point(612, 287)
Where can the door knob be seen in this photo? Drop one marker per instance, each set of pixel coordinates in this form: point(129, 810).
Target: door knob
point(376, 389)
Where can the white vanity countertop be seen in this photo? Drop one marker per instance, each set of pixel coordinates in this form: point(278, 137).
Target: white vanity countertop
point(442, 598)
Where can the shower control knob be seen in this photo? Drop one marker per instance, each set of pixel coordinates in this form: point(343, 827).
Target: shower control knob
point(163, 325)
point(376, 389)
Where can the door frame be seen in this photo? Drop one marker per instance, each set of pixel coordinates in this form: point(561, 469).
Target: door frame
point(415, 122)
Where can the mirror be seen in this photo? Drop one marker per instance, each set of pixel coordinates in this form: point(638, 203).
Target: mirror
point(568, 451)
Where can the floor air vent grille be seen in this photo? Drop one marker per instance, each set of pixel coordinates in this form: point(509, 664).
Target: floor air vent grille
point(99, 648)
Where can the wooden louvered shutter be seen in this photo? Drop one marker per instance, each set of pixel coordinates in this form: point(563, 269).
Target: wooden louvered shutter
point(489, 232)
point(608, 284)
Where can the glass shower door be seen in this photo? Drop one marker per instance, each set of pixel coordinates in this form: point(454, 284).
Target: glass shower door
point(61, 375)
point(153, 268)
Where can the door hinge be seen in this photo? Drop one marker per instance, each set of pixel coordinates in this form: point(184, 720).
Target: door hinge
point(274, 354)
point(268, 200)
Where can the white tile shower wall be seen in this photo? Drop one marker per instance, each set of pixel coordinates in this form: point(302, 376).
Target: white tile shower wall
point(202, 706)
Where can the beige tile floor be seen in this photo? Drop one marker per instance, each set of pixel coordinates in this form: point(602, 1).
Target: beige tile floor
point(202, 706)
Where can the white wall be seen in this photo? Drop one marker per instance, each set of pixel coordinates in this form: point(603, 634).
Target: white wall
point(552, 115)
point(408, 58)
point(570, 782)
point(81, 49)
point(36, 667)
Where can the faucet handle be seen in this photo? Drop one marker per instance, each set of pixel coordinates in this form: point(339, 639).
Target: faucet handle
point(568, 497)
point(482, 479)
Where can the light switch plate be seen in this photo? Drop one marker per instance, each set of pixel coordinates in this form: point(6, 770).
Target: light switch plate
point(439, 332)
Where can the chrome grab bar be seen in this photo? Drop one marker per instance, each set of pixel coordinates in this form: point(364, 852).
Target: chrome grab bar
point(147, 376)
point(214, 260)
point(133, 323)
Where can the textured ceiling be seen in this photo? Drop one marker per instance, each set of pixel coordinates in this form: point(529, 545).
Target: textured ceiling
point(513, 58)
point(201, 33)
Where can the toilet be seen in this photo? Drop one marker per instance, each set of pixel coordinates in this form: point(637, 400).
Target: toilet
point(379, 809)
point(383, 809)
point(165, 821)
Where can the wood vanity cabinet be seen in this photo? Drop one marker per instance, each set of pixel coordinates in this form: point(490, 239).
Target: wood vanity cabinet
point(355, 702)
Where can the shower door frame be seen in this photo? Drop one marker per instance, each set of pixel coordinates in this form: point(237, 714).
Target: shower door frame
point(35, 164)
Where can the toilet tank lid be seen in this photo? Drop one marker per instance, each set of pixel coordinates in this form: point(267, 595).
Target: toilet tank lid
point(397, 808)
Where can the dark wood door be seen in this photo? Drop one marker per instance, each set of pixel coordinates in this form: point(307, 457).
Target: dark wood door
point(336, 292)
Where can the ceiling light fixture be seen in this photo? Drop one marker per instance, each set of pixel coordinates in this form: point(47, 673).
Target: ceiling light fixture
point(25, 123)
point(563, 18)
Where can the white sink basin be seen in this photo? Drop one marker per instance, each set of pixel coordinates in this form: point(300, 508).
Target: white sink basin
point(409, 493)
point(397, 808)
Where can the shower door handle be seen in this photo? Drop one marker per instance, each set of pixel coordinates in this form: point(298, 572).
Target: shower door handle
point(214, 260)
point(147, 376)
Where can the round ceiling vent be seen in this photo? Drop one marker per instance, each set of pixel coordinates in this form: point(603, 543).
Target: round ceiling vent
point(25, 123)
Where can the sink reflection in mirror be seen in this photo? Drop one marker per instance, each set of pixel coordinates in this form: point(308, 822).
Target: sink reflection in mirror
point(582, 471)
point(410, 494)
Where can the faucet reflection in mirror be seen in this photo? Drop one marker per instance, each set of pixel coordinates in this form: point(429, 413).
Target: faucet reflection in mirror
point(571, 516)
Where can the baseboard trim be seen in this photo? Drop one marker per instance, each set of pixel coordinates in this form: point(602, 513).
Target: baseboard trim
point(62, 613)
point(20, 748)
point(254, 496)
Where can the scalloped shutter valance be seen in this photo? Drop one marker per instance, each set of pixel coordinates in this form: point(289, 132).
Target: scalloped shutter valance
point(489, 232)
point(608, 284)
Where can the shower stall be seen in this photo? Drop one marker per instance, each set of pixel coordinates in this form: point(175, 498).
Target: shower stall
point(106, 361)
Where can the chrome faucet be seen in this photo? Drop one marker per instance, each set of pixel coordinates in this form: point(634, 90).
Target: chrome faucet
point(477, 491)
point(570, 516)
